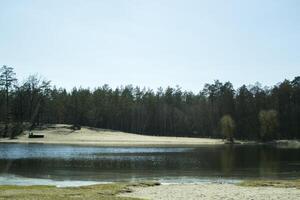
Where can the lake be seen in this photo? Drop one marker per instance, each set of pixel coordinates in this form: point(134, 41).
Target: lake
point(166, 164)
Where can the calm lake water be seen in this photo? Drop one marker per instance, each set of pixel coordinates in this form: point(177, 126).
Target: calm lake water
point(78, 163)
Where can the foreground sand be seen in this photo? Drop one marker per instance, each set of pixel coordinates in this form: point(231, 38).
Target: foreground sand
point(150, 190)
point(212, 191)
point(62, 134)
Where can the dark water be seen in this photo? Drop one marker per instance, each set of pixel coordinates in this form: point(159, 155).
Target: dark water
point(63, 162)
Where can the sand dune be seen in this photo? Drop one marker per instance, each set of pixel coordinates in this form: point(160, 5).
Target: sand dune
point(62, 134)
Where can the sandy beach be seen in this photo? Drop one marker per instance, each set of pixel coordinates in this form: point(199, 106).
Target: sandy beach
point(62, 134)
point(213, 191)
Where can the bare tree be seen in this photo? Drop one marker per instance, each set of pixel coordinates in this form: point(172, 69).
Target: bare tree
point(38, 88)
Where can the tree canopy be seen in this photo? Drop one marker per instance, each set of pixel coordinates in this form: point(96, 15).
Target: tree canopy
point(170, 111)
point(268, 124)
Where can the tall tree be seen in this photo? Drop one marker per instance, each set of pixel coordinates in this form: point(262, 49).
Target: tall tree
point(246, 124)
point(296, 107)
point(37, 90)
point(7, 80)
point(268, 124)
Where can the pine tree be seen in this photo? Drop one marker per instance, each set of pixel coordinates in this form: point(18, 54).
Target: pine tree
point(7, 80)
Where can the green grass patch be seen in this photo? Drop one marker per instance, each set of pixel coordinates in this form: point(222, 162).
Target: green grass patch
point(271, 183)
point(102, 191)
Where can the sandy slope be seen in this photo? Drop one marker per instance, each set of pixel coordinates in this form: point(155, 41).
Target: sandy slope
point(61, 134)
point(211, 191)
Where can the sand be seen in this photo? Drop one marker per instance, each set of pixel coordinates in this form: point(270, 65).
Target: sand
point(213, 191)
point(62, 134)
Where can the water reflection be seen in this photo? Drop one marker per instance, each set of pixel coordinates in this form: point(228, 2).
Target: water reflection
point(227, 160)
point(111, 164)
point(268, 162)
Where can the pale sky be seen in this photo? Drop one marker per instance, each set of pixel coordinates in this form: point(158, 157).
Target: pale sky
point(151, 43)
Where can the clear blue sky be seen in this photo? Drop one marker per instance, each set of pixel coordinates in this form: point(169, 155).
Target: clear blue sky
point(151, 43)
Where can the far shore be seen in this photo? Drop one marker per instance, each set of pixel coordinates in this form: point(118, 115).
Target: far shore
point(62, 134)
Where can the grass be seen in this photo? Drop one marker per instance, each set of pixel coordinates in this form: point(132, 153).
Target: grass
point(271, 183)
point(103, 192)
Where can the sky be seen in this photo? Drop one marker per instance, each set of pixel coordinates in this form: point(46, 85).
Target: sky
point(151, 43)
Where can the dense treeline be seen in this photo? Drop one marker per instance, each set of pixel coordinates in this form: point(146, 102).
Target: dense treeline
point(169, 111)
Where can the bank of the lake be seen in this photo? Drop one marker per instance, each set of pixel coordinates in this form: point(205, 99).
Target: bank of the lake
point(259, 190)
point(62, 134)
point(101, 191)
point(88, 136)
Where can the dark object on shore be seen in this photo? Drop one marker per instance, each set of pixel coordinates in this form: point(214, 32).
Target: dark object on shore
point(35, 136)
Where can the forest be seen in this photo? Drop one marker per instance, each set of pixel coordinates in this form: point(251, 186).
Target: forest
point(254, 110)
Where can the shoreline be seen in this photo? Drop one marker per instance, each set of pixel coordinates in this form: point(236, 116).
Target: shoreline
point(112, 144)
point(62, 134)
point(181, 142)
point(260, 190)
